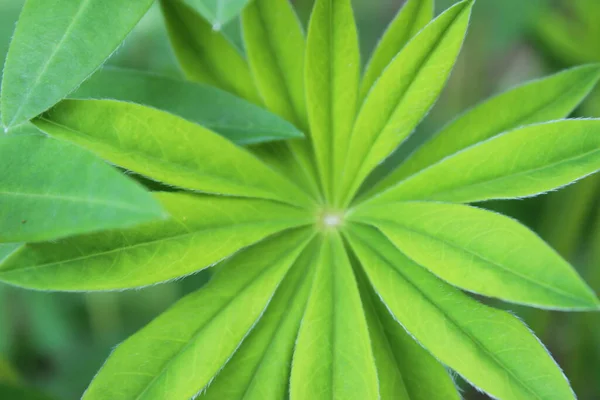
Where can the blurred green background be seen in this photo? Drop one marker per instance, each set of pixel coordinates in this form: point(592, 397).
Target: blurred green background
point(54, 343)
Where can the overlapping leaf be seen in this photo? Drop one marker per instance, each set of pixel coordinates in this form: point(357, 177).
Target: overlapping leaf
point(202, 231)
point(482, 252)
point(166, 148)
point(56, 45)
point(238, 120)
point(492, 349)
point(524, 162)
point(546, 99)
point(181, 351)
point(403, 95)
point(77, 194)
point(217, 12)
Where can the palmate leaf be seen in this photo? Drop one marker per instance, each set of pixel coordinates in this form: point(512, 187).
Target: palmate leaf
point(482, 252)
point(333, 358)
point(402, 364)
point(490, 348)
point(202, 231)
point(260, 369)
point(78, 194)
point(217, 12)
point(403, 95)
point(180, 352)
point(56, 45)
point(166, 148)
point(238, 120)
point(332, 78)
point(206, 56)
point(546, 99)
point(524, 162)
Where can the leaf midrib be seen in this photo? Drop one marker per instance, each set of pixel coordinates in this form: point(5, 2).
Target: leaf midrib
point(473, 253)
point(450, 319)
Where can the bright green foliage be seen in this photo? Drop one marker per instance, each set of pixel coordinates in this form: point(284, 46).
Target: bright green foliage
point(190, 342)
point(217, 12)
point(206, 56)
point(140, 139)
point(482, 252)
point(542, 100)
point(411, 18)
point(319, 294)
point(463, 334)
point(524, 162)
point(202, 231)
point(80, 194)
point(57, 44)
point(202, 104)
point(333, 357)
point(332, 78)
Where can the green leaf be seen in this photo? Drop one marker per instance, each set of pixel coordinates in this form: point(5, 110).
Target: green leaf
point(238, 120)
point(56, 46)
point(217, 12)
point(405, 369)
point(490, 348)
point(332, 78)
point(482, 252)
point(166, 148)
point(333, 358)
point(275, 45)
point(403, 95)
point(202, 231)
point(181, 351)
point(50, 189)
point(546, 99)
point(260, 369)
point(412, 17)
point(205, 55)
point(524, 162)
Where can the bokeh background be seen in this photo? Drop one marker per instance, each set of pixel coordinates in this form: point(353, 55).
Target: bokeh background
point(53, 343)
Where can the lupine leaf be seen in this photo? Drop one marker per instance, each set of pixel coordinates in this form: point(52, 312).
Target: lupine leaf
point(166, 148)
point(205, 55)
point(181, 351)
point(411, 18)
point(490, 348)
point(333, 358)
point(50, 189)
point(275, 48)
point(236, 119)
point(260, 369)
point(332, 78)
point(482, 252)
point(202, 231)
point(524, 162)
point(218, 12)
point(56, 45)
point(404, 94)
point(546, 99)
point(403, 366)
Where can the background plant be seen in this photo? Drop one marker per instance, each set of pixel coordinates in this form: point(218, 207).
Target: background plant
point(574, 73)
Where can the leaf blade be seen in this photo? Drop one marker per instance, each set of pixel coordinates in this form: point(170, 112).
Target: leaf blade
point(520, 163)
point(514, 365)
point(223, 312)
point(483, 252)
point(141, 139)
point(202, 231)
point(547, 99)
point(333, 356)
point(218, 12)
point(79, 194)
point(40, 70)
